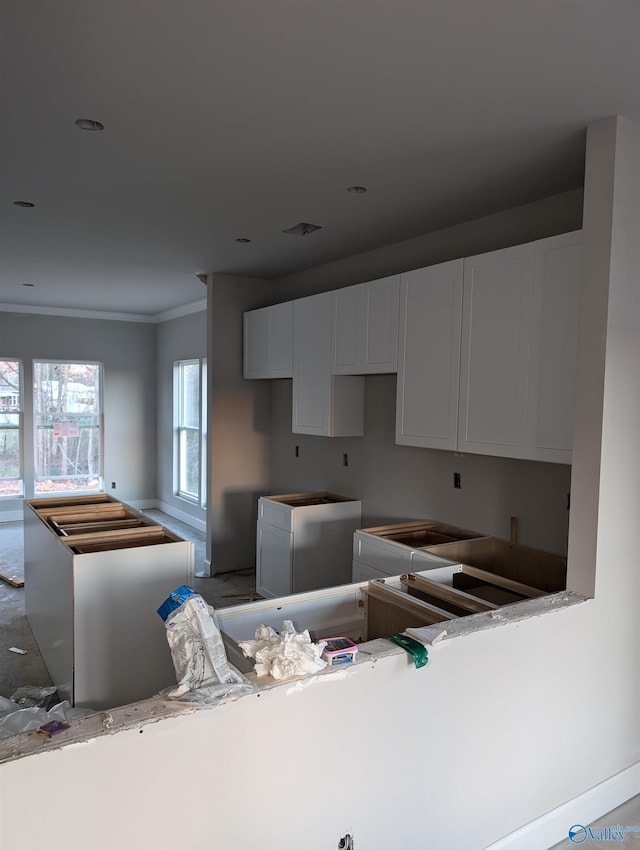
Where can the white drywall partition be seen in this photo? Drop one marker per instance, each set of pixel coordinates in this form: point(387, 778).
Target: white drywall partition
point(500, 729)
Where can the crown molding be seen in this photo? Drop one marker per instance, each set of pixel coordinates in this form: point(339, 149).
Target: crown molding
point(185, 310)
point(71, 313)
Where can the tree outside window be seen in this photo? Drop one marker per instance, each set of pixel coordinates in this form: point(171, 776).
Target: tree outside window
point(68, 426)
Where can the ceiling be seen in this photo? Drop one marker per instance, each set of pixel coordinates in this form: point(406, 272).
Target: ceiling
point(227, 119)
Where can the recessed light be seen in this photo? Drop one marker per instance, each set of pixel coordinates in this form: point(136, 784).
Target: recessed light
point(243, 240)
point(26, 204)
point(357, 190)
point(89, 124)
point(28, 284)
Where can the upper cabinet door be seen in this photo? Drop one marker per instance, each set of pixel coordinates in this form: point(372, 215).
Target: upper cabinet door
point(381, 298)
point(495, 351)
point(268, 342)
point(365, 328)
point(429, 356)
point(347, 330)
point(557, 279)
point(311, 364)
point(323, 404)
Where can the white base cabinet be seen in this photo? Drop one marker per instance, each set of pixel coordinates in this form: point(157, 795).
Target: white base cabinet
point(93, 612)
point(392, 550)
point(304, 542)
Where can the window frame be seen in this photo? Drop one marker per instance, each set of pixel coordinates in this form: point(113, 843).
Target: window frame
point(98, 413)
point(20, 431)
point(180, 428)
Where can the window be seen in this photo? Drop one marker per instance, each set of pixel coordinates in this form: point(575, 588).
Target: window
point(68, 426)
point(190, 430)
point(10, 428)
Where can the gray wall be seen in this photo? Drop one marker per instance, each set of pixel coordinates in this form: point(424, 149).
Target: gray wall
point(183, 338)
point(399, 482)
point(127, 353)
point(239, 426)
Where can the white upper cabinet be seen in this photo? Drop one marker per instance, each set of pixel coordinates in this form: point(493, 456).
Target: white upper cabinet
point(365, 327)
point(323, 404)
point(268, 342)
point(557, 278)
point(495, 352)
point(429, 356)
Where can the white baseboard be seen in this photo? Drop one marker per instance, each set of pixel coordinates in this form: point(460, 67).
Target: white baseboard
point(145, 504)
point(176, 513)
point(554, 826)
point(206, 571)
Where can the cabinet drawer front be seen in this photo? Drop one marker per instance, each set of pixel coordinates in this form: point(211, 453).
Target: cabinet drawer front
point(276, 514)
point(363, 572)
point(389, 559)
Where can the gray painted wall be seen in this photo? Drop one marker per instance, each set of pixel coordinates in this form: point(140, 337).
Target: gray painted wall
point(239, 426)
point(399, 482)
point(127, 352)
point(183, 338)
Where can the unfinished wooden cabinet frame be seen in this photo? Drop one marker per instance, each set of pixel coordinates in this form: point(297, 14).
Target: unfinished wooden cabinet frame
point(388, 611)
point(459, 599)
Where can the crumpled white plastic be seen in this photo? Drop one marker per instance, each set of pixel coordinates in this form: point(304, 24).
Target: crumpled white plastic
point(14, 720)
point(289, 653)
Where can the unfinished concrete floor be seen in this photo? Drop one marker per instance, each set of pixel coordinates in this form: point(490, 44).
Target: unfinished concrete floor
point(16, 670)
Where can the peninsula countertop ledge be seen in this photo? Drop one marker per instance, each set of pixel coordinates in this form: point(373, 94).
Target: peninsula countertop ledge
point(138, 715)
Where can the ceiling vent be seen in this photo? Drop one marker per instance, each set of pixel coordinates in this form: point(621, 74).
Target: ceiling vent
point(302, 229)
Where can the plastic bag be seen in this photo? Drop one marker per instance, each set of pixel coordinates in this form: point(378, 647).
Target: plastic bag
point(29, 696)
point(203, 672)
point(14, 719)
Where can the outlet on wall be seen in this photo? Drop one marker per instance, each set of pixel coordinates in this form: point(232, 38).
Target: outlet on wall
point(113, 485)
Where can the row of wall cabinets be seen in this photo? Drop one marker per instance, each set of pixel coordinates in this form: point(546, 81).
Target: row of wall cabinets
point(485, 349)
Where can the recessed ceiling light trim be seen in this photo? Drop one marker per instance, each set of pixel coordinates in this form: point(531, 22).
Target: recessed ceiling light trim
point(243, 240)
point(302, 229)
point(28, 284)
point(89, 124)
point(25, 204)
point(357, 190)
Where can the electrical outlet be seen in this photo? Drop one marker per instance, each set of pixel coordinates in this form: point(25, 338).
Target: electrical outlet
point(457, 480)
point(113, 485)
